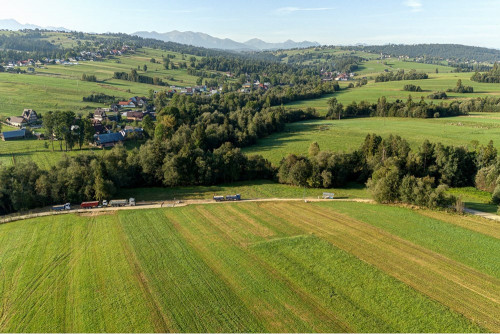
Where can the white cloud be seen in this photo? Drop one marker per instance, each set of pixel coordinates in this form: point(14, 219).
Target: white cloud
point(415, 5)
point(288, 10)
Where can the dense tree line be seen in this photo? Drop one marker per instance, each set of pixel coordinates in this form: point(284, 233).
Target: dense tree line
point(393, 172)
point(89, 77)
point(101, 98)
point(437, 96)
point(412, 88)
point(398, 108)
point(492, 76)
point(460, 88)
point(401, 75)
point(89, 176)
point(134, 76)
point(441, 51)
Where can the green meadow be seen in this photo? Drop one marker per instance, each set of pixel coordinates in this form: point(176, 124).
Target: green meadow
point(393, 90)
point(348, 134)
point(249, 267)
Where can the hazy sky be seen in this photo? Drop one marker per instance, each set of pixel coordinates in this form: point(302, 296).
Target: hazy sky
point(327, 22)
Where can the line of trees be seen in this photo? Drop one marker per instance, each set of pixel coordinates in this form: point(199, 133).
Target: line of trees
point(134, 76)
point(401, 75)
point(412, 88)
point(102, 98)
point(89, 77)
point(460, 88)
point(492, 76)
point(394, 172)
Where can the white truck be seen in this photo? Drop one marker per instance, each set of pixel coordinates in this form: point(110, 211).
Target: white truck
point(120, 202)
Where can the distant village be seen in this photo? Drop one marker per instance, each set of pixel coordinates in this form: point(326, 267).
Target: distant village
point(31, 64)
point(105, 133)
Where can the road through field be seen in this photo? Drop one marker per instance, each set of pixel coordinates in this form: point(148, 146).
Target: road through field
point(166, 204)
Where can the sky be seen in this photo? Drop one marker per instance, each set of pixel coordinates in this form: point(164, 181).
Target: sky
point(329, 22)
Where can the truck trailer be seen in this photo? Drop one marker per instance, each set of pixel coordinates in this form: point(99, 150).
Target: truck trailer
point(122, 202)
point(89, 205)
point(218, 198)
point(236, 197)
point(62, 207)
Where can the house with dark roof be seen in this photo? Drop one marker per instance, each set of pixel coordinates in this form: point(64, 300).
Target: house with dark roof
point(30, 115)
point(108, 139)
point(135, 115)
point(12, 135)
point(100, 114)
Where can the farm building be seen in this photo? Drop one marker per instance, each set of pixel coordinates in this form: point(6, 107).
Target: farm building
point(12, 135)
point(108, 139)
point(135, 115)
point(18, 121)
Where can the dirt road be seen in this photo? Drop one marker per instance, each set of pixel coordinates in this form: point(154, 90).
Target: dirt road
point(170, 204)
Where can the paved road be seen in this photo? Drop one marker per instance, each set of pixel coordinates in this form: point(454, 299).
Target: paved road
point(167, 204)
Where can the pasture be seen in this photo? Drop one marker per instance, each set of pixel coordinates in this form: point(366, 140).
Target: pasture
point(348, 134)
point(251, 267)
point(393, 90)
point(58, 87)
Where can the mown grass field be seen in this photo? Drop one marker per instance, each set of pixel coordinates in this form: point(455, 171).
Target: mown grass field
point(393, 90)
point(58, 87)
point(41, 153)
point(348, 134)
point(251, 267)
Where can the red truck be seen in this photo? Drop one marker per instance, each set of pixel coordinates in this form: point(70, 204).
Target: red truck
point(89, 205)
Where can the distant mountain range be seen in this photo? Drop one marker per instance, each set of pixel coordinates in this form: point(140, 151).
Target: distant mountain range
point(11, 24)
point(210, 42)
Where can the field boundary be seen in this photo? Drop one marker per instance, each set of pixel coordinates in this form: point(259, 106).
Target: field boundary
point(171, 204)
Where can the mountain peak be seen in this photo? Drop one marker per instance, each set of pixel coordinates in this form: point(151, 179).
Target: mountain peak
point(204, 40)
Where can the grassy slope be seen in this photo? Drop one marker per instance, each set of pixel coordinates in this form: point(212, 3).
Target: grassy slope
point(393, 90)
point(59, 87)
point(242, 267)
point(348, 134)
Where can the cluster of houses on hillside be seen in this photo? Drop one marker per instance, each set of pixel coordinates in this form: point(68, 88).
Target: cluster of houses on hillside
point(337, 76)
point(133, 102)
point(247, 87)
point(192, 90)
point(84, 56)
point(29, 117)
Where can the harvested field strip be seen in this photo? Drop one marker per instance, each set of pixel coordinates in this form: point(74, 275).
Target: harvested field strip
point(473, 223)
point(68, 275)
point(274, 301)
point(188, 290)
point(477, 250)
point(457, 286)
point(367, 297)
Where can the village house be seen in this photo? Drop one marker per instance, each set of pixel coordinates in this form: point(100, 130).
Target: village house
point(99, 128)
point(135, 115)
point(30, 116)
point(129, 132)
point(100, 114)
point(18, 121)
point(107, 139)
point(126, 104)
